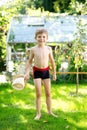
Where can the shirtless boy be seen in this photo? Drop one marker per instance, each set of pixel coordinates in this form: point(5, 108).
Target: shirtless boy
point(41, 54)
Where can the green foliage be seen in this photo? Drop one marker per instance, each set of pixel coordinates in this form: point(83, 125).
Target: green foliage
point(73, 53)
point(72, 6)
point(77, 7)
point(38, 7)
point(61, 5)
point(78, 44)
point(3, 32)
point(6, 14)
point(56, 7)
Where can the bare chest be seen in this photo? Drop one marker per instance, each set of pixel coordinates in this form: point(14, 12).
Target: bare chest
point(42, 53)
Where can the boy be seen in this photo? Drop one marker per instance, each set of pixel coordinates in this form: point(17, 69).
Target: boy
point(41, 55)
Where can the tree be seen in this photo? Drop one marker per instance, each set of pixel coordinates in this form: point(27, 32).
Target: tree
point(6, 13)
point(78, 48)
point(3, 32)
point(61, 5)
point(77, 7)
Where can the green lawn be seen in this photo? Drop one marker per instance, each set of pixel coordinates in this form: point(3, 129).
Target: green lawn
point(17, 108)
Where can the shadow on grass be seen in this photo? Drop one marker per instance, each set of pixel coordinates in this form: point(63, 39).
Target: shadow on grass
point(17, 110)
point(22, 119)
point(64, 93)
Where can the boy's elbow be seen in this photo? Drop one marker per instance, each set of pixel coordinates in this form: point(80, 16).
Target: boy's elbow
point(30, 61)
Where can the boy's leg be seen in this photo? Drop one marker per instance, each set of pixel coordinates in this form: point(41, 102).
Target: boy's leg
point(47, 85)
point(47, 88)
point(37, 83)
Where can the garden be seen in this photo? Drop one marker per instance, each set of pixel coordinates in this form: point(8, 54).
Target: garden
point(69, 91)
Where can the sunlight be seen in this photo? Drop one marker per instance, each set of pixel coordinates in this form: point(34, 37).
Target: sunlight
point(3, 2)
point(23, 105)
point(10, 66)
point(62, 91)
point(23, 119)
point(83, 123)
point(83, 91)
point(3, 105)
point(64, 105)
point(80, 123)
point(3, 79)
point(64, 65)
point(30, 86)
point(9, 90)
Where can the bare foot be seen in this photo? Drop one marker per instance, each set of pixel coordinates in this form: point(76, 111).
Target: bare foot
point(37, 117)
point(53, 115)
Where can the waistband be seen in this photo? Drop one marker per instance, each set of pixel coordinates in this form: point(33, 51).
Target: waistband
point(40, 69)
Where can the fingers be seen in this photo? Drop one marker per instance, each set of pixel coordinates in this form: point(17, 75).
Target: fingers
point(26, 77)
point(54, 77)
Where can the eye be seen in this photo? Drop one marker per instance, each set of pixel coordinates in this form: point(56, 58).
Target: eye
point(43, 36)
point(39, 36)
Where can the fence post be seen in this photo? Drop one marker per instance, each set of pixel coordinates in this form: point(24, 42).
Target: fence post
point(77, 80)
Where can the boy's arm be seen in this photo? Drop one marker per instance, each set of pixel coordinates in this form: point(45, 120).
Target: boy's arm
point(53, 64)
point(28, 66)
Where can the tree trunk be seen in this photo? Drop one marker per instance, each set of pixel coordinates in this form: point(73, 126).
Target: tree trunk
point(77, 81)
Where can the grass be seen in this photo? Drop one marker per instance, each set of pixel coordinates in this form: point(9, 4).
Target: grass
point(17, 108)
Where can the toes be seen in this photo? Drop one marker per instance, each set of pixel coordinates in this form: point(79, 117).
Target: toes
point(37, 117)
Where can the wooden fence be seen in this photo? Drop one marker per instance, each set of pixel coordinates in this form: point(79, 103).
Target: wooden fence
point(71, 72)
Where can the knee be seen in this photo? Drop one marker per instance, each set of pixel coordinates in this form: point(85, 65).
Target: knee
point(48, 94)
point(38, 95)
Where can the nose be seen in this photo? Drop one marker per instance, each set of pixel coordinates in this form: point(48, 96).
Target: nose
point(42, 38)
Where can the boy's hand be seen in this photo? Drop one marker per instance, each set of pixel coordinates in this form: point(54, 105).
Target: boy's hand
point(54, 77)
point(26, 76)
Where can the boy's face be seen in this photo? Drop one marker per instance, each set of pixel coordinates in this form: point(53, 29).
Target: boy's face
point(41, 38)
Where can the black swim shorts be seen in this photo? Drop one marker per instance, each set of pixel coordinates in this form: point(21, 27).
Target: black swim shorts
point(41, 73)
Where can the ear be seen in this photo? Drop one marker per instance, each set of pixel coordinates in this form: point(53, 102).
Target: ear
point(47, 37)
point(35, 37)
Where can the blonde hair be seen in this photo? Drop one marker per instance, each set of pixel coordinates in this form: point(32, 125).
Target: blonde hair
point(40, 31)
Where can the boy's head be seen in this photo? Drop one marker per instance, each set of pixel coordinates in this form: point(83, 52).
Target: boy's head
point(41, 31)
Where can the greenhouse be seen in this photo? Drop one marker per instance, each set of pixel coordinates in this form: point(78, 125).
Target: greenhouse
point(61, 29)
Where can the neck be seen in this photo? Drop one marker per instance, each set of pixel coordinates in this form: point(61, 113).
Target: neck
point(42, 45)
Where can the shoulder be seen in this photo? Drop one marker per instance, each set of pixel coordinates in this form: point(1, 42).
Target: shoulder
point(49, 48)
point(32, 48)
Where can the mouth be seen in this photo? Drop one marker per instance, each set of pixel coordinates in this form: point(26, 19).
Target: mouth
point(41, 41)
